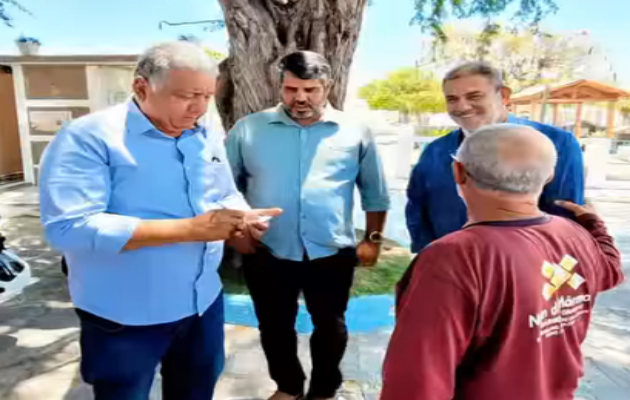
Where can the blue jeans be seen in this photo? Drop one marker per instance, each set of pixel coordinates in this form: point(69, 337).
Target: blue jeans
point(120, 361)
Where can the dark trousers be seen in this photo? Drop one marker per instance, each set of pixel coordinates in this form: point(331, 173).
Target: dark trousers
point(275, 286)
point(120, 361)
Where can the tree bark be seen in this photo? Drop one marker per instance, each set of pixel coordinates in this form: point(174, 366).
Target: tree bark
point(261, 32)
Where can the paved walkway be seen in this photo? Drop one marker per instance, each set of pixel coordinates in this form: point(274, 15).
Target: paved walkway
point(38, 330)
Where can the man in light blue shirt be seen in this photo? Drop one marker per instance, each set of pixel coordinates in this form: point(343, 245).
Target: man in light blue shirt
point(306, 158)
point(139, 199)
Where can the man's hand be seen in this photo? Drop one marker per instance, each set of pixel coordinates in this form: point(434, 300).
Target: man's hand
point(576, 209)
point(368, 253)
point(244, 244)
point(212, 226)
point(217, 225)
point(223, 224)
point(258, 221)
point(248, 240)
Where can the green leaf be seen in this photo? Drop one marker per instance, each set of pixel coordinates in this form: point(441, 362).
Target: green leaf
point(408, 90)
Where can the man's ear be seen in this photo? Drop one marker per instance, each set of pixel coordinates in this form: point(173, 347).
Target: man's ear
point(459, 173)
point(140, 88)
point(550, 179)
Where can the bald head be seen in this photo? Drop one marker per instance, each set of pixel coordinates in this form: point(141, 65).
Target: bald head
point(508, 158)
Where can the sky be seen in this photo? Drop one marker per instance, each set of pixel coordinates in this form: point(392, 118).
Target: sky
point(387, 41)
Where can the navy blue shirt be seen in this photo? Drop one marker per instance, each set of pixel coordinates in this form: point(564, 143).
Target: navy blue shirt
point(434, 208)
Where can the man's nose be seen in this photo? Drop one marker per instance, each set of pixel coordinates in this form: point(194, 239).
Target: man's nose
point(460, 105)
point(301, 96)
point(200, 105)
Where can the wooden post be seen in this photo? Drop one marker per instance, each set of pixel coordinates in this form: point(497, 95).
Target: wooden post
point(610, 126)
point(535, 111)
point(555, 108)
point(578, 121)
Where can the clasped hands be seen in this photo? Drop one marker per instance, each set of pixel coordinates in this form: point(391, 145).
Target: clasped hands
point(232, 225)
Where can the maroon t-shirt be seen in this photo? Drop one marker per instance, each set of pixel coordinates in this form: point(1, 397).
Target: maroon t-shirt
point(499, 311)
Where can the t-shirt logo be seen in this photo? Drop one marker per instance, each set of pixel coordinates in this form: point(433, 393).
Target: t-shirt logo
point(559, 275)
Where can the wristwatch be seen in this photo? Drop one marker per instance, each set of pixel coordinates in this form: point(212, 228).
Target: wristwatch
point(375, 237)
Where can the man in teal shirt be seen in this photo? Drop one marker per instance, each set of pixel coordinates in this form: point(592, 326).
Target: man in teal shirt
point(306, 158)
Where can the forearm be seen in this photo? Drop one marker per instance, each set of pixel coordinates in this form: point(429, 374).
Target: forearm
point(612, 275)
point(111, 233)
point(151, 233)
point(375, 221)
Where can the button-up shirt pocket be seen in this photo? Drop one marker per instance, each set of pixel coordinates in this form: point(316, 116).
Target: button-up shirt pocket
point(216, 178)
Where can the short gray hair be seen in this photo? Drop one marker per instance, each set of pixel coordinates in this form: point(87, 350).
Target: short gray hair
point(490, 170)
point(159, 60)
point(473, 68)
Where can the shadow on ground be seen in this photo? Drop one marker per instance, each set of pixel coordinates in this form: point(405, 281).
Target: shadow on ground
point(38, 329)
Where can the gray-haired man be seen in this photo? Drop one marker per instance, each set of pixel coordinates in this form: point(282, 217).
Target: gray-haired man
point(476, 97)
point(139, 198)
point(499, 309)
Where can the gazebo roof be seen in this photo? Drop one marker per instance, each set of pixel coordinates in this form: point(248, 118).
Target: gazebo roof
point(579, 91)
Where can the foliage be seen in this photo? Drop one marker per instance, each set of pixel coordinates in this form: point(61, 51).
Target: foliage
point(433, 132)
point(430, 14)
point(383, 277)
point(625, 107)
point(188, 38)
point(216, 55)
point(4, 14)
point(408, 90)
point(527, 57)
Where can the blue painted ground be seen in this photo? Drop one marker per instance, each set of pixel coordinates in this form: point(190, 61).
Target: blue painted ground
point(365, 314)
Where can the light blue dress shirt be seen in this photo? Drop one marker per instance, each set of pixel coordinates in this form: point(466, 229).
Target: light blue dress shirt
point(103, 174)
point(311, 173)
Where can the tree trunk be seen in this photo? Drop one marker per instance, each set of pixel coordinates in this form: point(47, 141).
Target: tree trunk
point(261, 32)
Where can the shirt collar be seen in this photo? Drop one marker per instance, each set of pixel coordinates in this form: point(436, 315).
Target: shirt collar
point(279, 116)
point(137, 122)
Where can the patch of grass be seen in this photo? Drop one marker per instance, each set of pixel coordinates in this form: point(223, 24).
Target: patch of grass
point(383, 277)
point(233, 279)
point(380, 279)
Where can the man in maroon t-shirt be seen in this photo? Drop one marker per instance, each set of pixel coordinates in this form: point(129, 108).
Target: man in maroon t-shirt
point(499, 309)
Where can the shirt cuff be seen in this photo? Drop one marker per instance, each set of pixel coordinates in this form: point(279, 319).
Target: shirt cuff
point(113, 231)
point(378, 204)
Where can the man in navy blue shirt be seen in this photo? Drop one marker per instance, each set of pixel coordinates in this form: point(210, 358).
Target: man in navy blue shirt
point(476, 97)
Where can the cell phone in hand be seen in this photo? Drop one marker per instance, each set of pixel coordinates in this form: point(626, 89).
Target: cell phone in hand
point(264, 218)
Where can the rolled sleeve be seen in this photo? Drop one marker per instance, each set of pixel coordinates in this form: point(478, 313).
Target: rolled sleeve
point(371, 180)
point(112, 231)
point(74, 194)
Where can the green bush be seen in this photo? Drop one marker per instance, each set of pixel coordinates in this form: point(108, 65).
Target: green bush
point(436, 132)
